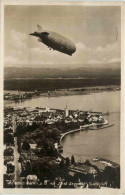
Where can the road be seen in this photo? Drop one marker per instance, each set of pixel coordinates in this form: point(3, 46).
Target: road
point(17, 165)
point(16, 158)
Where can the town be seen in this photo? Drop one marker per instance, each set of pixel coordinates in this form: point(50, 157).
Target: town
point(19, 96)
point(33, 152)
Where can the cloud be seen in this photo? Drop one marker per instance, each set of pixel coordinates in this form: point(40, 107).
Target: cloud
point(17, 48)
point(94, 61)
point(15, 61)
point(100, 54)
point(107, 48)
point(41, 50)
point(24, 51)
point(103, 61)
point(117, 60)
point(18, 40)
point(80, 46)
point(10, 60)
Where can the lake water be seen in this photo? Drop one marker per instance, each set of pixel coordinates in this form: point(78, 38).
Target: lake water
point(91, 143)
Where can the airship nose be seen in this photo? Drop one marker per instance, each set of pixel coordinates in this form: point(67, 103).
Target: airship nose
point(32, 34)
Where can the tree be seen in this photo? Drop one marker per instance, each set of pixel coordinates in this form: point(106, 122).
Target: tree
point(8, 139)
point(26, 145)
point(8, 152)
point(87, 162)
point(62, 163)
point(112, 176)
point(21, 159)
point(72, 160)
point(67, 161)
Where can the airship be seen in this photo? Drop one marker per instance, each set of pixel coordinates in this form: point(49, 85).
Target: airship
point(55, 41)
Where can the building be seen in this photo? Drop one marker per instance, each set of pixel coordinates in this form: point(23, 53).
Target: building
point(47, 109)
point(31, 179)
point(66, 112)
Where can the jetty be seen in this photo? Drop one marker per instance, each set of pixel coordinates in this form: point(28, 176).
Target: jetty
point(87, 127)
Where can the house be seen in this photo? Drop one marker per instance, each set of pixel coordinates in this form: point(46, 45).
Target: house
point(9, 158)
point(58, 160)
point(31, 179)
point(82, 168)
point(10, 168)
point(56, 145)
point(101, 166)
point(71, 173)
point(33, 146)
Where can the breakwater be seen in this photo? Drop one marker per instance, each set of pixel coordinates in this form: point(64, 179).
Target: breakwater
point(85, 127)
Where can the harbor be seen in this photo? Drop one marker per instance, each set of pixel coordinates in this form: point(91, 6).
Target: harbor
point(87, 127)
point(99, 137)
point(74, 130)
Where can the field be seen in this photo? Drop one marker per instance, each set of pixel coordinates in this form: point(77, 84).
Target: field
point(52, 84)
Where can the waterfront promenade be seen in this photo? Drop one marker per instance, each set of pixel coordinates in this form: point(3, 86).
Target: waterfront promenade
point(84, 127)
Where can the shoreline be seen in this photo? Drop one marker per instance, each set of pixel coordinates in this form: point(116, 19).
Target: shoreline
point(60, 92)
point(83, 128)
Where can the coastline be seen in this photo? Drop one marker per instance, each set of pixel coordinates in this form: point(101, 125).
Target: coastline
point(84, 128)
point(103, 160)
point(80, 91)
point(89, 97)
point(59, 92)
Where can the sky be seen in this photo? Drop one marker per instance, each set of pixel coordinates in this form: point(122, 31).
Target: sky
point(93, 29)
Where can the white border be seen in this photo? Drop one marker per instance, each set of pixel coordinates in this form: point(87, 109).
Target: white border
point(66, 191)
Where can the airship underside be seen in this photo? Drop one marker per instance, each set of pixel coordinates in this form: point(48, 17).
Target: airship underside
point(59, 43)
point(56, 41)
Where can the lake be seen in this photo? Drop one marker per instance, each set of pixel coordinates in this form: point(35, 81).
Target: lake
point(90, 143)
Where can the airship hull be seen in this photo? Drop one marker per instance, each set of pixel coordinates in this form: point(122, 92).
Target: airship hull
point(58, 42)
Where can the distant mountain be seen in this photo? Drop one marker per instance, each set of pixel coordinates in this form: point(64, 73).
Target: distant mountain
point(89, 71)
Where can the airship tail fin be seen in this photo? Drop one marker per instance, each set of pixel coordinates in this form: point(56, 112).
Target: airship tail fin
point(39, 28)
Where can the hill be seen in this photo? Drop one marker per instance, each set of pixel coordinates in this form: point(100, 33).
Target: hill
point(61, 72)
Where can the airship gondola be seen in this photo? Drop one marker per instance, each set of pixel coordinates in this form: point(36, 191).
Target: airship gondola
point(55, 41)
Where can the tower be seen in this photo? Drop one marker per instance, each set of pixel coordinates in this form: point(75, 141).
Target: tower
point(47, 109)
point(66, 111)
point(14, 124)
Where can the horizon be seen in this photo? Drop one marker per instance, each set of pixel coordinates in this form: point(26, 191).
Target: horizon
point(111, 65)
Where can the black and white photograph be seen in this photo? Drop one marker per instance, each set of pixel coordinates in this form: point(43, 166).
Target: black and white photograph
point(62, 96)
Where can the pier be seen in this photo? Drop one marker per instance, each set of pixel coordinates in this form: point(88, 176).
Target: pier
point(85, 127)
